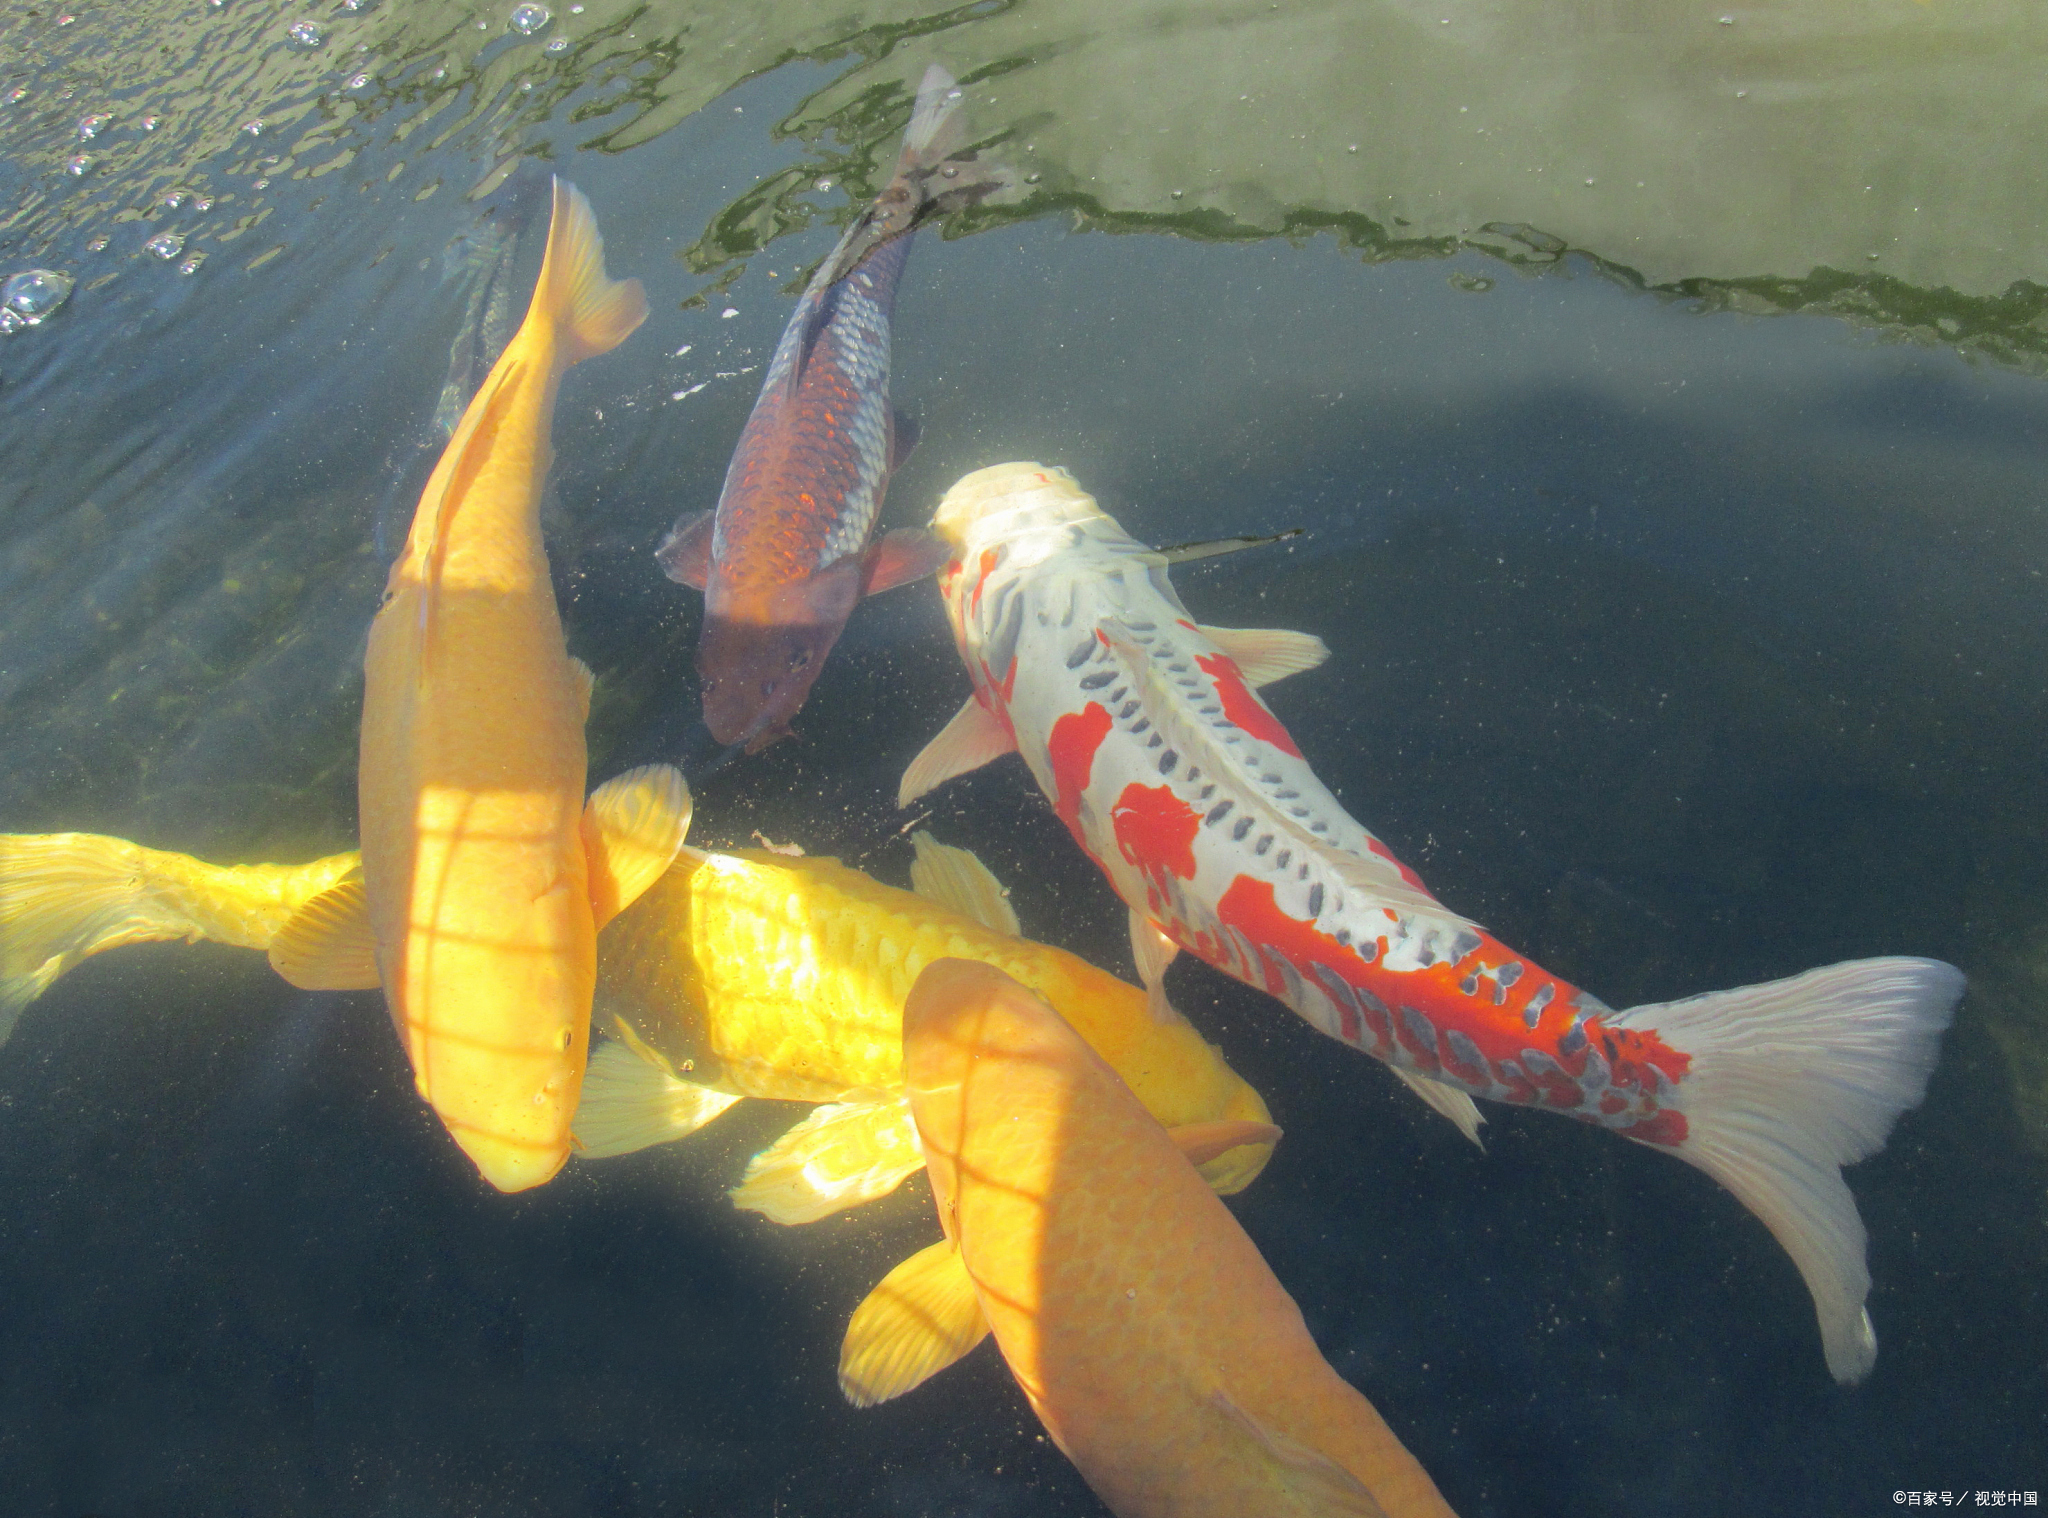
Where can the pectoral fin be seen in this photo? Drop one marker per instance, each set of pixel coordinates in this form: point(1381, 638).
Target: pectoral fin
point(1445, 1099)
point(969, 741)
point(631, 1100)
point(1203, 1142)
point(843, 1154)
point(685, 554)
point(1314, 1483)
point(955, 878)
point(921, 1318)
point(1266, 654)
point(901, 555)
point(632, 826)
point(327, 945)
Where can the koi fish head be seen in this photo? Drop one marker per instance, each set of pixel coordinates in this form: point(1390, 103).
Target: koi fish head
point(761, 651)
point(1008, 502)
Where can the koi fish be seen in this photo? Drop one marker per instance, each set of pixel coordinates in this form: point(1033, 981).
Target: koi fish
point(735, 975)
point(1141, 1323)
point(483, 880)
point(1146, 733)
point(787, 553)
point(759, 974)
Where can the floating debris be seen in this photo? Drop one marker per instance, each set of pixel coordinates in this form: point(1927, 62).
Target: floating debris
point(729, 313)
point(529, 19)
point(166, 244)
point(30, 296)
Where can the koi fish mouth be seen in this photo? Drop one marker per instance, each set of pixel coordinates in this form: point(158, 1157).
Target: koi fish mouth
point(756, 678)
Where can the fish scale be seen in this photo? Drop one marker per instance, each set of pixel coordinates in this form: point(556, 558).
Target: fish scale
point(1144, 731)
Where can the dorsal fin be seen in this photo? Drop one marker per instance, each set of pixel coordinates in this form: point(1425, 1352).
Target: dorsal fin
point(956, 878)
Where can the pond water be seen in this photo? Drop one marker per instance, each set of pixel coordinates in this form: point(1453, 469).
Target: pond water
point(1682, 562)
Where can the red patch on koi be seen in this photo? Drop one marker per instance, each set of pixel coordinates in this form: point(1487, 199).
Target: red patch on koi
point(1243, 708)
point(1155, 829)
point(1665, 1127)
point(988, 567)
point(1071, 748)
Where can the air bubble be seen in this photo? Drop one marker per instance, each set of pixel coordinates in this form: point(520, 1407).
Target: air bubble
point(89, 126)
point(98, 244)
point(824, 184)
point(729, 313)
point(166, 244)
point(306, 36)
point(253, 128)
point(191, 265)
point(357, 82)
point(33, 294)
point(150, 123)
point(77, 164)
point(528, 19)
point(18, 94)
point(556, 45)
point(173, 200)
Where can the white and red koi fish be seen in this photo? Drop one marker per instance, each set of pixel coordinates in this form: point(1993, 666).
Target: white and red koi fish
point(787, 555)
point(1146, 733)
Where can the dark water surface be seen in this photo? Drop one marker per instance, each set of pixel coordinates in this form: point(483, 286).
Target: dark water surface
point(1681, 647)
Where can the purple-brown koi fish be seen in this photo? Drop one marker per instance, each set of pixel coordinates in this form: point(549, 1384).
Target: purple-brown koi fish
point(787, 554)
point(1146, 733)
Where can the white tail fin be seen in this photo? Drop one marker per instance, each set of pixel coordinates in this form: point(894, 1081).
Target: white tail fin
point(1793, 1079)
point(933, 133)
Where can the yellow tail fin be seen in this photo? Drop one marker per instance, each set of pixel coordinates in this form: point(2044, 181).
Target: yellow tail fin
point(593, 314)
point(67, 896)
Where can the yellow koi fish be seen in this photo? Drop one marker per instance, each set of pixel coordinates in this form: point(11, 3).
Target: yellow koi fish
point(735, 975)
point(755, 974)
point(482, 881)
point(1148, 1334)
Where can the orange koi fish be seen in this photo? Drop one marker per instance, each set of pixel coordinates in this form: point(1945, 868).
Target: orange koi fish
point(1141, 1323)
point(1146, 733)
point(483, 878)
point(787, 554)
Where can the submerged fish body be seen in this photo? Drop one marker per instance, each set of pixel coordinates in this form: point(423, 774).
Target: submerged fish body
point(1146, 733)
point(1148, 1334)
point(471, 781)
point(788, 552)
point(728, 976)
point(759, 975)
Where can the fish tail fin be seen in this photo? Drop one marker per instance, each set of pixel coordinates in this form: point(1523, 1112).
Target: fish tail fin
point(1793, 1079)
point(592, 313)
point(945, 177)
point(65, 897)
